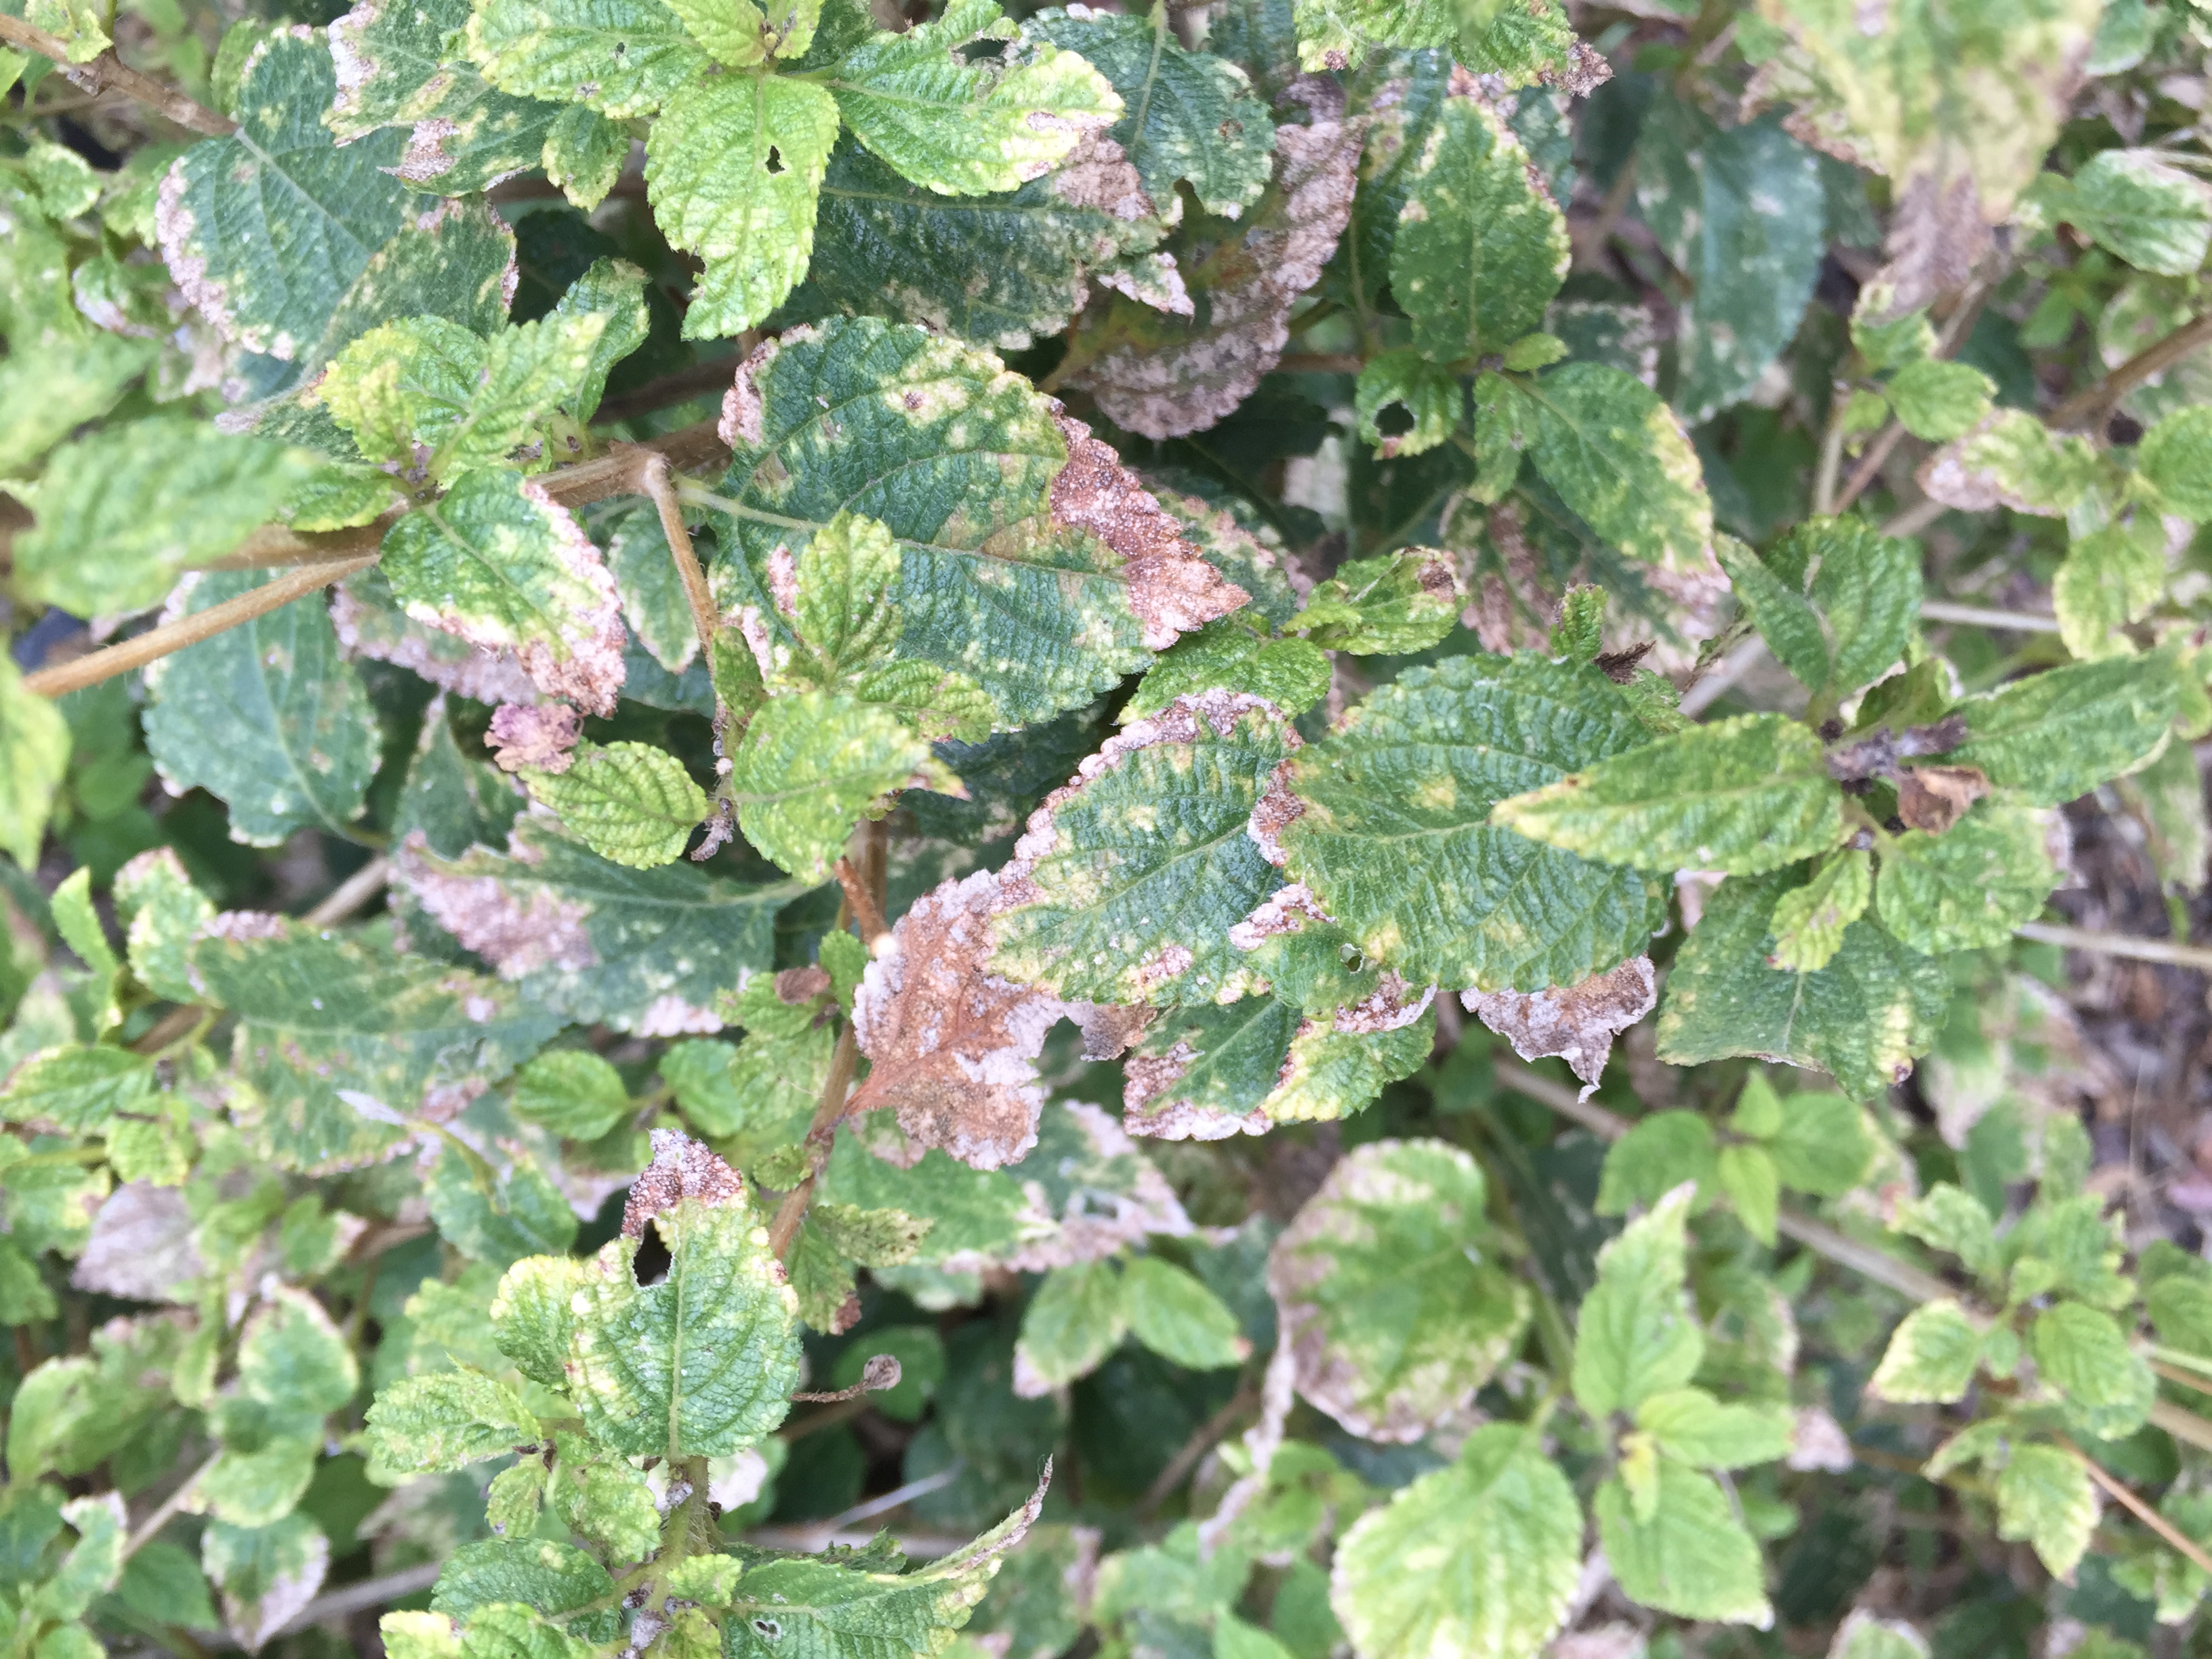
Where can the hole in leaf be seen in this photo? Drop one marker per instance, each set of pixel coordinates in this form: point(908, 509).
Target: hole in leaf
point(768, 1629)
point(774, 160)
point(650, 1265)
point(1393, 420)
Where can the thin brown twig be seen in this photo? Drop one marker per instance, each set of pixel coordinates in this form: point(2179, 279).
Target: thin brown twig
point(349, 895)
point(2166, 951)
point(653, 482)
point(827, 1111)
point(1955, 328)
point(2160, 355)
point(158, 642)
point(2189, 1549)
point(167, 1509)
point(168, 1029)
point(108, 73)
point(1210, 1434)
point(862, 903)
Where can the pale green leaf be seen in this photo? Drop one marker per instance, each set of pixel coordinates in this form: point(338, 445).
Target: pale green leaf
point(1950, 1218)
point(1481, 247)
point(1970, 887)
point(1747, 1175)
point(2045, 1499)
point(1476, 1560)
point(1744, 796)
point(1172, 1312)
point(1392, 1293)
point(1863, 1019)
point(1823, 1146)
point(810, 766)
point(1138, 874)
point(2112, 577)
point(445, 1420)
point(2057, 735)
point(629, 802)
point(1808, 921)
point(1393, 605)
point(1226, 655)
point(1394, 838)
point(571, 1092)
point(1076, 1318)
point(34, 752)
point(1637, 1334)
point(80, 1091)
point(1931, 1355)
point(267, 716)
point(1658, 1154)
point(122, 512)
point(732, 171)
point(622, 58)
point(1429, 402)
point(1691, 1557)
point(1689, 1424)
point(1940, 401)
point(2141, 209)
point(2173, 461)
point(1620, 458)
point(2082, 1353)
point(969, 127)
point(265, 1573)
point(584, 153)
point(43, 397)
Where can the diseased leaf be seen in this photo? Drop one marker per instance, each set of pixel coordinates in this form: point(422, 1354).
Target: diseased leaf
point(2112, 577)
point(1397, 605)
point(623, 57)
point(266, 716)
point(447, 1420)
point(2171, 461)
point(1393, 1297)
point(1479, 1557)
point(954, 1047)
point(1128, 884)
point(1931, 1355)
point(1576, 1022)
point(34, 752)
point(1430, 402)
point(1620, 458)
point(2057, 735)
point(2011, 459)
point(2045, 1499)
point(811, 766)
point(1689, 1554)
point(1969, 887)
point(1398, 802)
point(1481, 247)
point(2141, 208)
point(629, 802)
point(1808, 921)
point(1226, 655)
point(1745, 796)
point(497, 563)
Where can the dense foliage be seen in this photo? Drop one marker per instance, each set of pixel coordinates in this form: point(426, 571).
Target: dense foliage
point(1251, 810)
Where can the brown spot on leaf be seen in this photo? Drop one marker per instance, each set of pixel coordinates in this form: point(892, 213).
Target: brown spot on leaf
point(796, 986)
point(1276, 809)
point(387, 634)
point(1576, 1022)
point(1109, 1028)
point(1934, 798)
point(953, 1046)
point(538, 736)
point(682, 1168)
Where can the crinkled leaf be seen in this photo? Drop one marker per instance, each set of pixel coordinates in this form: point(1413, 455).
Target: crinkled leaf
point(445, 1420)
point(1808, 921)
point(1940, 401)
point(1690, 1555)
point(808, 768)
point(2057, 735)
point(1931, 1355)
point(1969, 887)
point(2082, 1353)
point(623, 57)
point(1428, 399)
point(1637, 1334)
point(2045, 1499)
point(1620, 458)
point(1393, 606)
point(629, 802)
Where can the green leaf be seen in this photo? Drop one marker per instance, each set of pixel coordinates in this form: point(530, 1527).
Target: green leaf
point(265, 1574)
point(1940, 401)
point(41, 401)
point(1187, 117)
point(1825, 1146)
point(266, 230)
point(1393, 837)
point(75, 22)
point(1809, 922)
point(571, 1092)
point(1620, 458)
point(644, 951)
point(1137, 875)
point(498, 1219)
point(2141, 209)
point(267, 716)
point(1690, 1556)
point(1658, 1154)
point(554, 1578)
point(2045, 1499)
point(34, 753)
point(2112, 577)
point(2082, 1353)
point(1172, 1312)
point(732, 171)
point(394, 71)
point(702, 1362)
point(811, 765)
point(1862, 1019)
point(338, 1036)
point(496, 562)
point(1044, 578)
point(969, 127)
point(1076, 1318)
point(1740, 210)
point(1844, 611)
point(1931, 1355)
point(1693, 1427)
point(1393, 606)
point(2171, 460)
point(121, 513)
point(732, 34)
point(1970, 887)
point(2057, 735)
point(1950, 1218)
point(2012, 460)
point(1394, 1296)
point(447, 1420)
point(1481, 247)
point(623, 57)
point(629, 802)
point(1228, 656)
point(1479, 1557)
point(1637, 1334)
point(1747, 1175)
point(1431, 402)
point(1784, 618)
point(809, 1605)
point(584, 154)
point(161, 912)
point(1745, 796)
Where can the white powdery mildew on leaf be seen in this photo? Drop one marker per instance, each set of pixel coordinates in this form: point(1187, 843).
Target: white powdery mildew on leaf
point(1286, 910)
point(1099, 1222)
point(682, 1168)
point(174, 226)
point(1187, 380)
point(1576, 1022)
point(368, 629)
point(536, 735)
point(514, 935)
point(593, 673)
point(1392, 1006)
point(954, 1045)
point(140, 1247)
point(1172, 589)
point(1150, 1107)
point(743, 410)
